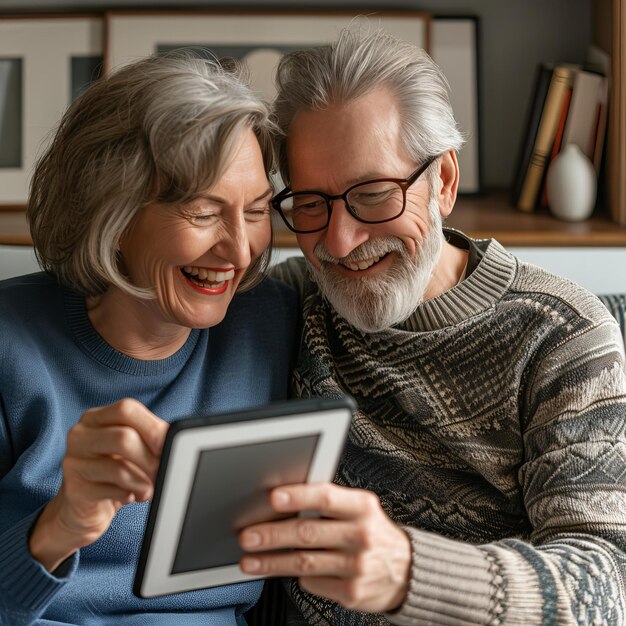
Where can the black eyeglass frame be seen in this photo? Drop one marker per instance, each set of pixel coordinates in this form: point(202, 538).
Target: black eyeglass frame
point(403, 183)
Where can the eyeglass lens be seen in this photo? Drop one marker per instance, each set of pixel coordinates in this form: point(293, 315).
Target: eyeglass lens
point(370, 202)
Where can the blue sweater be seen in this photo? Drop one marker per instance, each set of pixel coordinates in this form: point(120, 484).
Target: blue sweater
point(54, 366)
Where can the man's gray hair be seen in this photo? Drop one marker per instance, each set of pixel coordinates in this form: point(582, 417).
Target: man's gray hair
point(358, 62)
point(159, 130)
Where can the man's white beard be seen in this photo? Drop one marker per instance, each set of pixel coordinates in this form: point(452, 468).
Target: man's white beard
point(380, 302)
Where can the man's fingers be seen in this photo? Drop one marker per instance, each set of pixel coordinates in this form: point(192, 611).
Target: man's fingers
point(131, 413)
point(302, 563)
point(328, 499)
point(306, 532)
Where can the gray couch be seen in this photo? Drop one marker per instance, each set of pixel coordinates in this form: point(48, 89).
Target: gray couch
point(617, 305)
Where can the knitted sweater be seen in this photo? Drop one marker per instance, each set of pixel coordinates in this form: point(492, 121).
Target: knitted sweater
point(54, 366)
point(491, 423)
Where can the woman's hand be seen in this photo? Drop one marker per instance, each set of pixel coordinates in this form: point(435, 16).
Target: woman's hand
point(354, 554)
point(111, 459)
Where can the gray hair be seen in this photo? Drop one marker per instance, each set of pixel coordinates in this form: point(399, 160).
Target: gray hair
point(358, 62)
point(161, 129)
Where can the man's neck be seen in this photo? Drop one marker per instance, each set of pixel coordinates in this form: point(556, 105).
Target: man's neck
point(448, 271)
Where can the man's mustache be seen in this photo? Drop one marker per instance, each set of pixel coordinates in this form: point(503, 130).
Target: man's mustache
point(366, 250)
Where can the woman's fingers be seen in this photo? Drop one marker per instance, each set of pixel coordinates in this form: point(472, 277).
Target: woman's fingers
point(130, 413)
point(126, 429)
point(78, 516)
point(109, 472)
point(85, 442)
point(111, 460)
point(112, 454)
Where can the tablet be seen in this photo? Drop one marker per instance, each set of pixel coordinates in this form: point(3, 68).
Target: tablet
point(214, 478)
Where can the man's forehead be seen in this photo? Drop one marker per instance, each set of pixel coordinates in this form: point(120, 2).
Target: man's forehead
point(347, 143)
point(379, 103)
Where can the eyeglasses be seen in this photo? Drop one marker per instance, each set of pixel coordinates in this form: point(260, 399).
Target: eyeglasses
point(372, 202)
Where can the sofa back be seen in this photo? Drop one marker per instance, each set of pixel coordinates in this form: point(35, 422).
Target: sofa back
point(616, 304)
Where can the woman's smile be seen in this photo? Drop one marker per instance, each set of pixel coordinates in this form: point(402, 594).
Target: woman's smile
point(206, 280)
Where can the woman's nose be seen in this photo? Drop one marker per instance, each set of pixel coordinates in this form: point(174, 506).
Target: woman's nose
point(234, 245)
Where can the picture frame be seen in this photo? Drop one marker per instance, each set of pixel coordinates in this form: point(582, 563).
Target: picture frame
point(49, 52)
point(455, 48)
point(259, 37)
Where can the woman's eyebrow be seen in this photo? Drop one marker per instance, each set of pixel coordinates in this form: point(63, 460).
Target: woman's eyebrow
point(219, 200)
point(268, 192)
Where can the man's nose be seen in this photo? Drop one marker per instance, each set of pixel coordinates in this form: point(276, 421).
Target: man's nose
point(343, 233)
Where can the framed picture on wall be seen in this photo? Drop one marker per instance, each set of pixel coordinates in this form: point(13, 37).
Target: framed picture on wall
point(45, 61)
point(258, 38)
point(454, 47)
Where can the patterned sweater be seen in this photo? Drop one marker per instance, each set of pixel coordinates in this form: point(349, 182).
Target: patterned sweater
point(491, 423)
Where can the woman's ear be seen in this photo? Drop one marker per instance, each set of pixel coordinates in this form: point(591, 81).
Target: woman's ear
point(448, 182)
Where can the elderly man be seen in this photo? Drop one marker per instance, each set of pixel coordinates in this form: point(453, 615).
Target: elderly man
point(484, 480)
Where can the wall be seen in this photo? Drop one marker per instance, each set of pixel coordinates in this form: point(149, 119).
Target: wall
point(515, 36)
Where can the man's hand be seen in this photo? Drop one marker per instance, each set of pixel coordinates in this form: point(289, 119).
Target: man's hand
point(354, 554)
point(111, 459)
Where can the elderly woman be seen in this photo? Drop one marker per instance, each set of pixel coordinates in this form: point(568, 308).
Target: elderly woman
point(149, 213)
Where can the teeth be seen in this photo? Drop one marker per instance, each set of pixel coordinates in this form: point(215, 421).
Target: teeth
point(356, 266)
point(210, 276)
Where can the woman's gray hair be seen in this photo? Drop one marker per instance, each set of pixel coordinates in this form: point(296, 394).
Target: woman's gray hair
point(159, 130)
point(358, 62)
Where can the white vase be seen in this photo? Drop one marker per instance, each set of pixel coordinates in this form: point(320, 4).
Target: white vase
point(571, 184)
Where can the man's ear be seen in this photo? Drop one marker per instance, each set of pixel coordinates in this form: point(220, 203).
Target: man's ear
point(448, 182)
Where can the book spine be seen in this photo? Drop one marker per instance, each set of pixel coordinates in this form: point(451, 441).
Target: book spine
point(560, 83)
point(533, 117)
point(601, 125)
point(556, 146)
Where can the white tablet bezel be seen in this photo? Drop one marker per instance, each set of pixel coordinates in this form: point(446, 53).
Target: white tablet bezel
point(329, 424)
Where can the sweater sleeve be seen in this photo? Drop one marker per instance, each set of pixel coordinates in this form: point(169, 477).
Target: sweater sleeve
point(26, 587)
point(573, 480)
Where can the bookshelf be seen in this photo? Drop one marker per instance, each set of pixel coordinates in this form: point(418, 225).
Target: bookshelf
point(507, 62)
point(492, 215)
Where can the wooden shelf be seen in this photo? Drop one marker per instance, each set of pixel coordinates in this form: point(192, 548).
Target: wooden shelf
point(490, 215)
point(13, 228)
point(484, 216)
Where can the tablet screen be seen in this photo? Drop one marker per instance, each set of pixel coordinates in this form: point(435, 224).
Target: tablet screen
point(235, 481)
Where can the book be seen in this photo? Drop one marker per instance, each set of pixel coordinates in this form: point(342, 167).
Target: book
point(560, 82)
point(583, 117)
point(556, 146)
point(601, 126)
point(533, 117)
